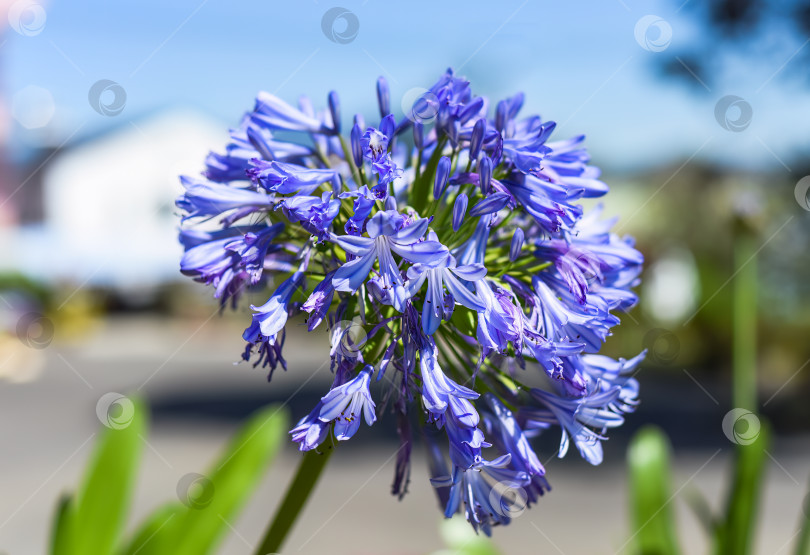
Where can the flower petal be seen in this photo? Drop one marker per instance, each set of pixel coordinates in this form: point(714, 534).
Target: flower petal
point(351, 275)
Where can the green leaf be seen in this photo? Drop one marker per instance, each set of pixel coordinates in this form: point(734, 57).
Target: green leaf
point(736, 535)
point(151, 538)
point(61, 533)
point(103, 500)
point(653, 524)
point(199, 528)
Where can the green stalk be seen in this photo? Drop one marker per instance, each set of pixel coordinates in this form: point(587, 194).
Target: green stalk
point(298, 492)
point(803, 545)
point(745, 320)
point(735, 535)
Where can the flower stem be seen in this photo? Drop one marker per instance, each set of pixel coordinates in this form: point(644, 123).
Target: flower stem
point(737, 532)
point(298, 492)
point(803, 544)
point(745, 319)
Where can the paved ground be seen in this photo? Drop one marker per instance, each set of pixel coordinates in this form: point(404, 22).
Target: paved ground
point(184, 369)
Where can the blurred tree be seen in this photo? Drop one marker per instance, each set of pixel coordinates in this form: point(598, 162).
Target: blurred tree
point(766, 31)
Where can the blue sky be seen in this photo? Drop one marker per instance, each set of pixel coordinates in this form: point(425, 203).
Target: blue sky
point(579, 63)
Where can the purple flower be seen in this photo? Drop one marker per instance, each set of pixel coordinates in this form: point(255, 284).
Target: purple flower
point(364, 202)
point(473, 494)
point(440, 275)
point(567, 163)
point(508, 436)
point(319, 301)
point(273, 113)
point(605, 373)
point(549, 204)
point(230, 261)
point(249, 141)
point(374, 144)
point(455, 103)
point(345, 403)
point(561, 320)
point(387, 232)
point(283, 178)
point(445, 307)
point(311, 430)
point(315, 214)
point(207, 200)
point(465, 438)
point(501, 322)
point(437, 389)
point(266, 329)
point(584, 420)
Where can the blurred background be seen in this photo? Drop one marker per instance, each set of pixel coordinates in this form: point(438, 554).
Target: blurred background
point(697, 112)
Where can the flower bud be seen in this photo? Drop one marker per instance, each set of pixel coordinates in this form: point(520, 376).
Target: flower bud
point(334, 110)
point(485, 173)
point(442, 173)
point(357, 147)
point(459, 211)
point(501, 115)
point(418, 135)
point(517, 244)
point(383, 97)
point(477, 138)
point(388, 125)
point(493, 203)
point(452, 132)
point(259, 144)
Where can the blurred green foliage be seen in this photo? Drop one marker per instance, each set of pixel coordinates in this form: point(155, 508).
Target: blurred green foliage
point(94, 519)
point(650, 478)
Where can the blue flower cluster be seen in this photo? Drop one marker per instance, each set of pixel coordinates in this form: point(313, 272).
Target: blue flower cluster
point(449, 259)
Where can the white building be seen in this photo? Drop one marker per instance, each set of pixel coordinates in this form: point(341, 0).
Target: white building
point(109, 214)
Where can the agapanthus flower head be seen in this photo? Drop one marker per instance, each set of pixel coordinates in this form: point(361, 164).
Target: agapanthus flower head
point(451, 263)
